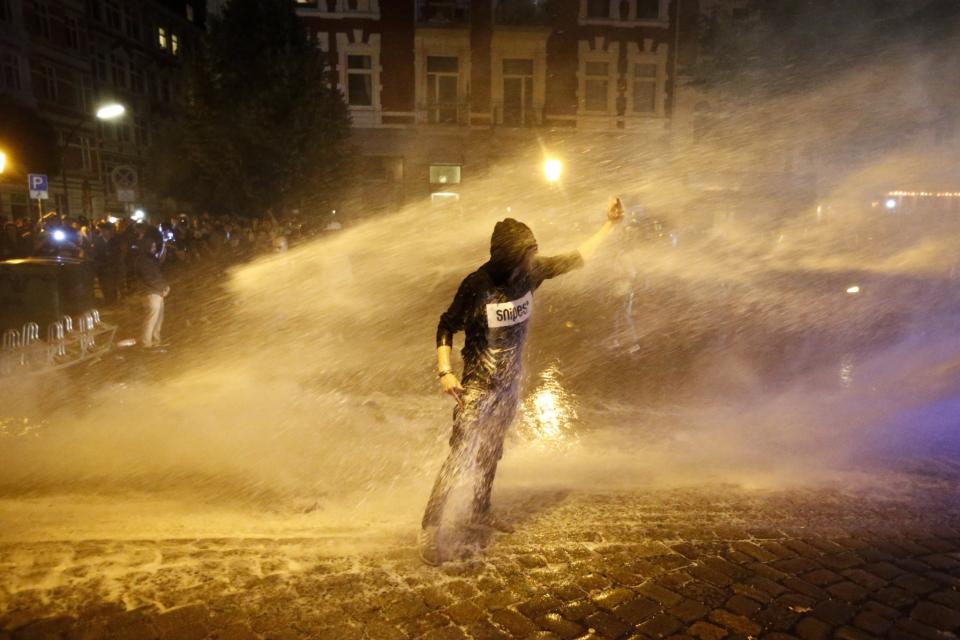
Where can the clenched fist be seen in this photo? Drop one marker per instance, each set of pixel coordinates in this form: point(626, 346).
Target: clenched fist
point(615, 210)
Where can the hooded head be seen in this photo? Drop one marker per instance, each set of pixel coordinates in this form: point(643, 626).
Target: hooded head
point(509, 245)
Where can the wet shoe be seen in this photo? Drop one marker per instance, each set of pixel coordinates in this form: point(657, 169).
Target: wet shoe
point(493, 522)
point(428, 546)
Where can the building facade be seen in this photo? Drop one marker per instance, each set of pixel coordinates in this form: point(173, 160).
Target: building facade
point(66, 58)
point(438, 90)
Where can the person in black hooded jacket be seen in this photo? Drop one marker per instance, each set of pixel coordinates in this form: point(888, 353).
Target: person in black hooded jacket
point(492, 307)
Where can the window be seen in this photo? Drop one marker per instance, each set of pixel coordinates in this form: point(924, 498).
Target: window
point(86, 155)
point(517, 92)
point(100, 66)
point(132, 22)
point(598, 8)
point(6, 14)
point(72, 31)
point(141, 132)
point(352, 6)
point(68, 93)
point(190, 12)
point(648, 9)
point(645, 88)
point(164, 92)
point(9, 72)
point(359, 81)
point(41, 20)
point(444, 174)
point(161, 37)
point(119, 67)
point(174, 44)
point(443, 10)
point(94, 10)
point(86, 92)
point(45, 82)
point(136, 79)
point(113, 14)
point(443, 78)
point(597, 83)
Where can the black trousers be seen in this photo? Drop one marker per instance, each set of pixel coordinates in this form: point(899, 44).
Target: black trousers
point(476, 447)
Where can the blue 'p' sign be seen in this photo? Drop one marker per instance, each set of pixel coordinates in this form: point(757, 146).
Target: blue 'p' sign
point(38, 185)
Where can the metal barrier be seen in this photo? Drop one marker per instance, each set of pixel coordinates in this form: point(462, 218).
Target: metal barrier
point(69, 341)
point(55, 338)
point(11, 339)
point(84, 327)
point(30, 333)
point(11, 357)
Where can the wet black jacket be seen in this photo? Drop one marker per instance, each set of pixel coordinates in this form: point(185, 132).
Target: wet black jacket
point(494, 316)
point(148, 273)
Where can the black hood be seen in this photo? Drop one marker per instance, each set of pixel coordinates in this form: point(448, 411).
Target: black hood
point(511, 239)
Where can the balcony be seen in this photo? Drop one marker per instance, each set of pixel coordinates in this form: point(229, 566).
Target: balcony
point(443, 12)
point(453, 113)
point(339, 8)
point(515, 116)
point(521, 13)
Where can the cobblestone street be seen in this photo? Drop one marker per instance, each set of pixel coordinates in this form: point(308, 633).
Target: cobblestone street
point(707, 562)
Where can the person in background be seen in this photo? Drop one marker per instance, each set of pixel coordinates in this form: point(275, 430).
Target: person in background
point(155, 288)
point(106, 259)
point(9, 241)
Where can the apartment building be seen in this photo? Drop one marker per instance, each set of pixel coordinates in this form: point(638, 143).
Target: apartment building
point(439, 90)
point(67, 57)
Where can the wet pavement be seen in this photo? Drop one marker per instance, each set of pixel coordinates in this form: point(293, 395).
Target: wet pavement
point(881, 559)
point(854, 557)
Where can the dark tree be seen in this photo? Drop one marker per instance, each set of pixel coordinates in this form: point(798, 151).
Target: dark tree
point(261, 125)
point(29, 141)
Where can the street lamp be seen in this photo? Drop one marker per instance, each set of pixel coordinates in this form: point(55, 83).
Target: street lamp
point(3, 161)
point(552, 169)
point(111, 111)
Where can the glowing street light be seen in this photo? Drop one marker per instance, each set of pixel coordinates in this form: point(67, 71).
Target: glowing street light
point(111, 111)
point(552, 170)
point(3, 161)
point(891, 203)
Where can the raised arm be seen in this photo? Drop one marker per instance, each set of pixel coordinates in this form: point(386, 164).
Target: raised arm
point(614, 217)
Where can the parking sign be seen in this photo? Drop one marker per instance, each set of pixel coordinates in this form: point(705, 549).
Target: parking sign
point(37, 182)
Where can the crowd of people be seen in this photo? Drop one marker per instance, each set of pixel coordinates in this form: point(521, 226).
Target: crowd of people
point(127, 253)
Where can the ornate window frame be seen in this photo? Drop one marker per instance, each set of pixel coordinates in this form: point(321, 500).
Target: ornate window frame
point(613, 15)
point(652, 55)
point(318, 9)
point(362, 115)
point(441, 42)
point(597, 50)
point(507, 45)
